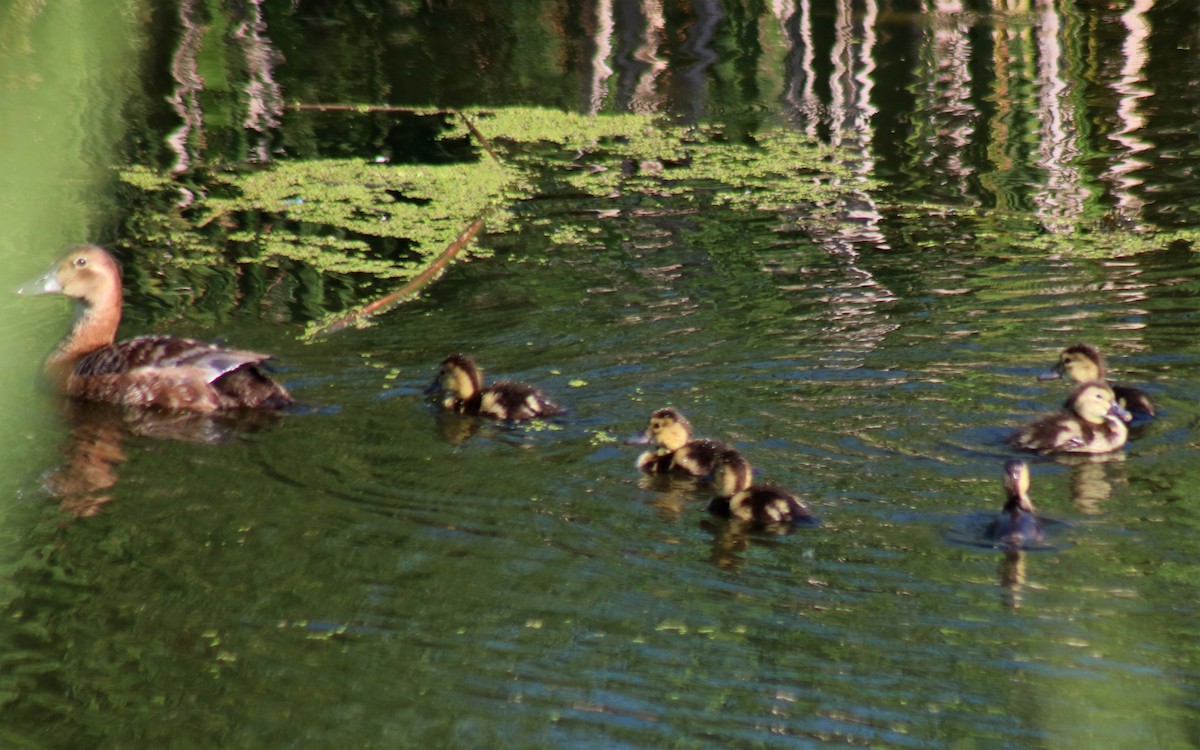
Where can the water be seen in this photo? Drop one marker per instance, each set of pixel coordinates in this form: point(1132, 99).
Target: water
point(368, 572)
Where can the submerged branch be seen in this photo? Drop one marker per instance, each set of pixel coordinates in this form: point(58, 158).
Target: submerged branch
point(483, 141)
point(408, 290)
point(370, 108)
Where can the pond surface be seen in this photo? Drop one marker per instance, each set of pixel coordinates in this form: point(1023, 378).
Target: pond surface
point(365, 571)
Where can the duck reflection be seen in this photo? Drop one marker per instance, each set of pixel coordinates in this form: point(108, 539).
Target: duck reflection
point(454, 428)
point(98, 432)
point(732, 538)
point(673, 493)
point(1013, 580)
point(1090, 480)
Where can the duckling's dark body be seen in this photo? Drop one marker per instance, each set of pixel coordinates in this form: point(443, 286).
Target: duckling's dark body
point(759, 506)
point(1016, 525)
point(159, 371)
point(507, 400)
point(676, 452)
point(1083, 363)
point(762, 505)
point(694, 458)
point(1091, 422)
point(462, 381)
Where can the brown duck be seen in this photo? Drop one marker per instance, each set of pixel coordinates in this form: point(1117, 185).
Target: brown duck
point(147, 371)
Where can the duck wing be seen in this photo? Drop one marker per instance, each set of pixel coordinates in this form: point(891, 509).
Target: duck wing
point(166, 353)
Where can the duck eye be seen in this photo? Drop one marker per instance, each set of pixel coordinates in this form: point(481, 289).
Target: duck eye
point(80, 262)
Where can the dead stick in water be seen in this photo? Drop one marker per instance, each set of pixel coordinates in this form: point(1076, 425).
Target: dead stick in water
point(412, 287)
point(483, 141)
point(369, 108)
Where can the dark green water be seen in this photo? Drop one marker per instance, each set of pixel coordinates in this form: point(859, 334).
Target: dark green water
point(366, 572)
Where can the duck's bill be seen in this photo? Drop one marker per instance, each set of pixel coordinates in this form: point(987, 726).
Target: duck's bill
point(1120, 412)
point(45, 284)
point(642, 438)
point(434, 387)
point(1049, 375)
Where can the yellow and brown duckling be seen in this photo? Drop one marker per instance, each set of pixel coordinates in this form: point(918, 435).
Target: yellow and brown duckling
point(1016, 525)
point(460, 381)
point(147, 371)
point(1082, 363)
point(757, 505)
point(675, 452)
point(1091, 422)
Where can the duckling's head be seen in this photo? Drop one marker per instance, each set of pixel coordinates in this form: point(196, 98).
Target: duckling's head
point(1094, 401)
point(668, 429)
point(458, 376)
point(85, 272)
point(731, 473)
point(1016, 484)
point(1080, 363)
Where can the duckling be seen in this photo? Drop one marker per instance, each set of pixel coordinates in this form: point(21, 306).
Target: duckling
point(760, 505)
point(1093, 422)
point(147, 371)
point(1082, 363)
point(461, 380)
point(1016, 525)
point(675, 452)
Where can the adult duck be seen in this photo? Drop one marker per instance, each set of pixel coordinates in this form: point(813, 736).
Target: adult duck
point(675, 452)
point(148, 371)
point(1083, 363)
point(1091, 422)
point(461, 382)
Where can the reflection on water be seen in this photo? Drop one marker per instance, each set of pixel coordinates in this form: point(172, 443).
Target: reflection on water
point(1129, 86)
point(97, 433)
point(1091, 480)
point(249, 87)
point(468, 585)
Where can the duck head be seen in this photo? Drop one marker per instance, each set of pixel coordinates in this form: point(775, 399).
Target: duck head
point(86, 273)
point(459, 377)
point(1093, 402)
point(1016, 486)
point(668, 430)
point(1080, 363)
point(731, 474)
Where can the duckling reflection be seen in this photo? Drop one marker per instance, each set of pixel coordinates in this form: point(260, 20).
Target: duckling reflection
point(1013, 578)
point(1016, 526)
point(675, 451)
point(1082, 363)
point(454, 428)
point(461, 382)
point(1091, 422)
point(95, 447)
point(1090, 481)
point(759, 507)
point(672, 493)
